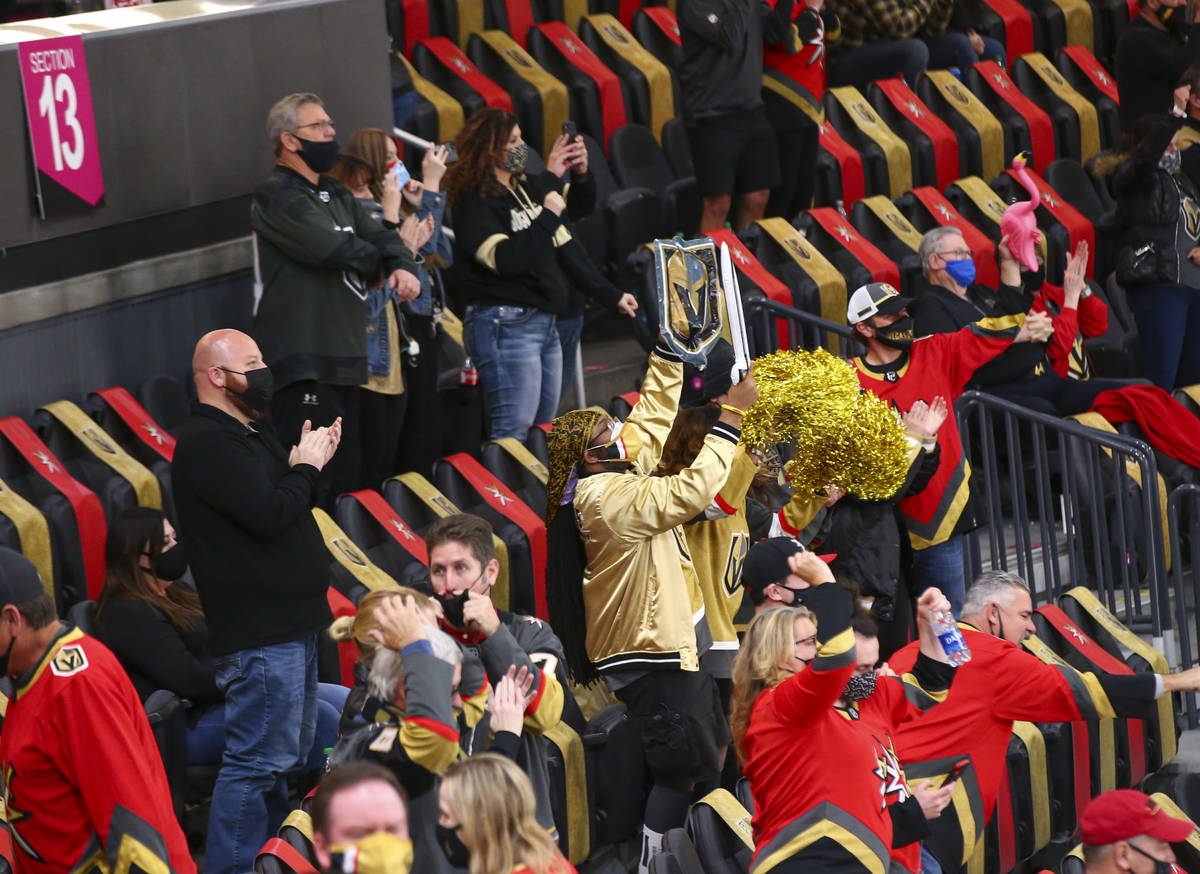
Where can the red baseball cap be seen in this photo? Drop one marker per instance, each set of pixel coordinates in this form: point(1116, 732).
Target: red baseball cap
point(1121, 814)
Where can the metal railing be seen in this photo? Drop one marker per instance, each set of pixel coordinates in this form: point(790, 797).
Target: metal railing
point(766, 320)
point(1183, 511)
point(1052, 491)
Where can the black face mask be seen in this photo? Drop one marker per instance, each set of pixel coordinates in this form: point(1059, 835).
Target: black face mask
point(319, 156)
point(456, 851)
point(171, 565)
point(260, 385)
point(452, 607)
point(860, 687)
point(898, 335)
point(4, 658)
point(1160, 867)
point(1033, 280)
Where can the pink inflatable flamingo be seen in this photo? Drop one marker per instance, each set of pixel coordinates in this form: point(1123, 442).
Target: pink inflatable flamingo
point(1019, 223)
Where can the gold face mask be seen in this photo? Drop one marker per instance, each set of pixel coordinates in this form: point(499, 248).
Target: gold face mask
point(377, 853)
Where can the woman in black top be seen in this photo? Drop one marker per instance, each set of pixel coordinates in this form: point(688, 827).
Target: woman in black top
point(1158, 263)
point(155, 627)
point(513, 258)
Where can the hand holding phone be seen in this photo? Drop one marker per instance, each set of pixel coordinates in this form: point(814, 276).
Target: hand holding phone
point(956, 771)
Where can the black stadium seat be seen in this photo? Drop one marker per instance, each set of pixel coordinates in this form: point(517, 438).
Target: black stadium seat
point(391, 545)
point(613, 745)
point(540, 101)
point(651, 87)
point(625, 218)
point(878, 219)
point(875, 165)
point(1068, 178)
point(115, 410)
point(597, 102)
point(1084, 73)
point(73, 512)
point(677, 147)
point(94, 458)
point(720, 828)
point(656, 29)
point(638, 161)
point(1070, 111)
point(443, 64)
point(165, 399)
point(518, 469)
point(476, 490)
point(678, 855)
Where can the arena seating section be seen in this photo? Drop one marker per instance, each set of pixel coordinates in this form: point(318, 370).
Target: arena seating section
point(898, 158)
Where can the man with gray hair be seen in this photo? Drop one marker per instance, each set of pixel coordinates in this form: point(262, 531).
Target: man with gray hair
point(1001, 684)
point(317, 254)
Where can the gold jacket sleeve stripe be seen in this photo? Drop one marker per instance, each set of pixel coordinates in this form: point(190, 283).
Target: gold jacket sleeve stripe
point(427, 747)
point(837, 652)
point(547, 711)
point(486, 253)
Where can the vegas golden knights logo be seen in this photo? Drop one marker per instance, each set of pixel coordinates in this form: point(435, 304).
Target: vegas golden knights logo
point(1191, 217)
point(738, 548)
point(69, 660)
point(347, 549)
point(688, 296)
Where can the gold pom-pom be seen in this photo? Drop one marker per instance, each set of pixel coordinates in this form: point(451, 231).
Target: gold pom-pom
point(842, 435)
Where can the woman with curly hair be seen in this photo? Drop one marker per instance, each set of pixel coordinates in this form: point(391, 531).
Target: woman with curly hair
point(487, 821)
point(515, 259)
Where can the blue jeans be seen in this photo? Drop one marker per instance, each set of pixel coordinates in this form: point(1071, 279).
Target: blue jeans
point(929, 865)
point(270, 722)
point(206, 739)
point(882, 60)
point(942, 566)
point(1168, 321)
point(569, 329)
point(954, 50)
point(517, 354)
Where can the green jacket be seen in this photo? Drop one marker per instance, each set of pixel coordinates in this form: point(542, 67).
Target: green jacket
point(317, 252)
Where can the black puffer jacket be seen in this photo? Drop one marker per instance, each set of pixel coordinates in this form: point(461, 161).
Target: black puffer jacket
point(1149, 199)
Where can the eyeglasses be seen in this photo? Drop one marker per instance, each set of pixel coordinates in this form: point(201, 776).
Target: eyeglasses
point(323, 125)
point(958, 253)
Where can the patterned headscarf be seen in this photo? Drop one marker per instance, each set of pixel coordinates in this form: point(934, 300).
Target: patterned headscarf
point(569, 437)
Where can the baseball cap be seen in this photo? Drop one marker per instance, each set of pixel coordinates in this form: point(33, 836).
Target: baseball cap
point(767, 562)
point(1121, 814)
point(875, 298)
point(19, 579)
point(701, 386)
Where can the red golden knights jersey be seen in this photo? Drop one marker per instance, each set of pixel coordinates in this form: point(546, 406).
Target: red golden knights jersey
point(940, 364)
point(84, 783)
point(822, 777)
point(1001, 684)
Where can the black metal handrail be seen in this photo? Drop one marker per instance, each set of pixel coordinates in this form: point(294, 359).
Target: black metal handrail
point(1058, 475)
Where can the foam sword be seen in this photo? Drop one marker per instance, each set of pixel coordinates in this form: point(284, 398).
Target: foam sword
point(737, 319)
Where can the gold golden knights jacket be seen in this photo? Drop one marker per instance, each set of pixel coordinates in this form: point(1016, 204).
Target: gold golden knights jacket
point(718, 543)
point(641, 596)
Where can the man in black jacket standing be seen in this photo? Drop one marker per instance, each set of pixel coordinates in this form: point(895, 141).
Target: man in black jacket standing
point(260, 567)
point(733, 143)
point(1152, 54)
point(318, 253)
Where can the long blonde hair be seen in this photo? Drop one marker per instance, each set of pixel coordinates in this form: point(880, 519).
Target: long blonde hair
point(768, 643)
point(356, 627)
point(493, 800)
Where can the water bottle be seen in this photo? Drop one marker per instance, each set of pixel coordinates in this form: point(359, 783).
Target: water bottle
point(950, 638)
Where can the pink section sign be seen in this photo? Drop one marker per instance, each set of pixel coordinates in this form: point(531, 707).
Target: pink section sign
point(58, 105)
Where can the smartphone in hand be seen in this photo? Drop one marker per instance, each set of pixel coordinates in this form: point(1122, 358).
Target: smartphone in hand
point(570, 131)
point(451, 153)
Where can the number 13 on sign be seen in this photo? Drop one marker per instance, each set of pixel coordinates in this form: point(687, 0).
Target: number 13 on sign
point(62, 127)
